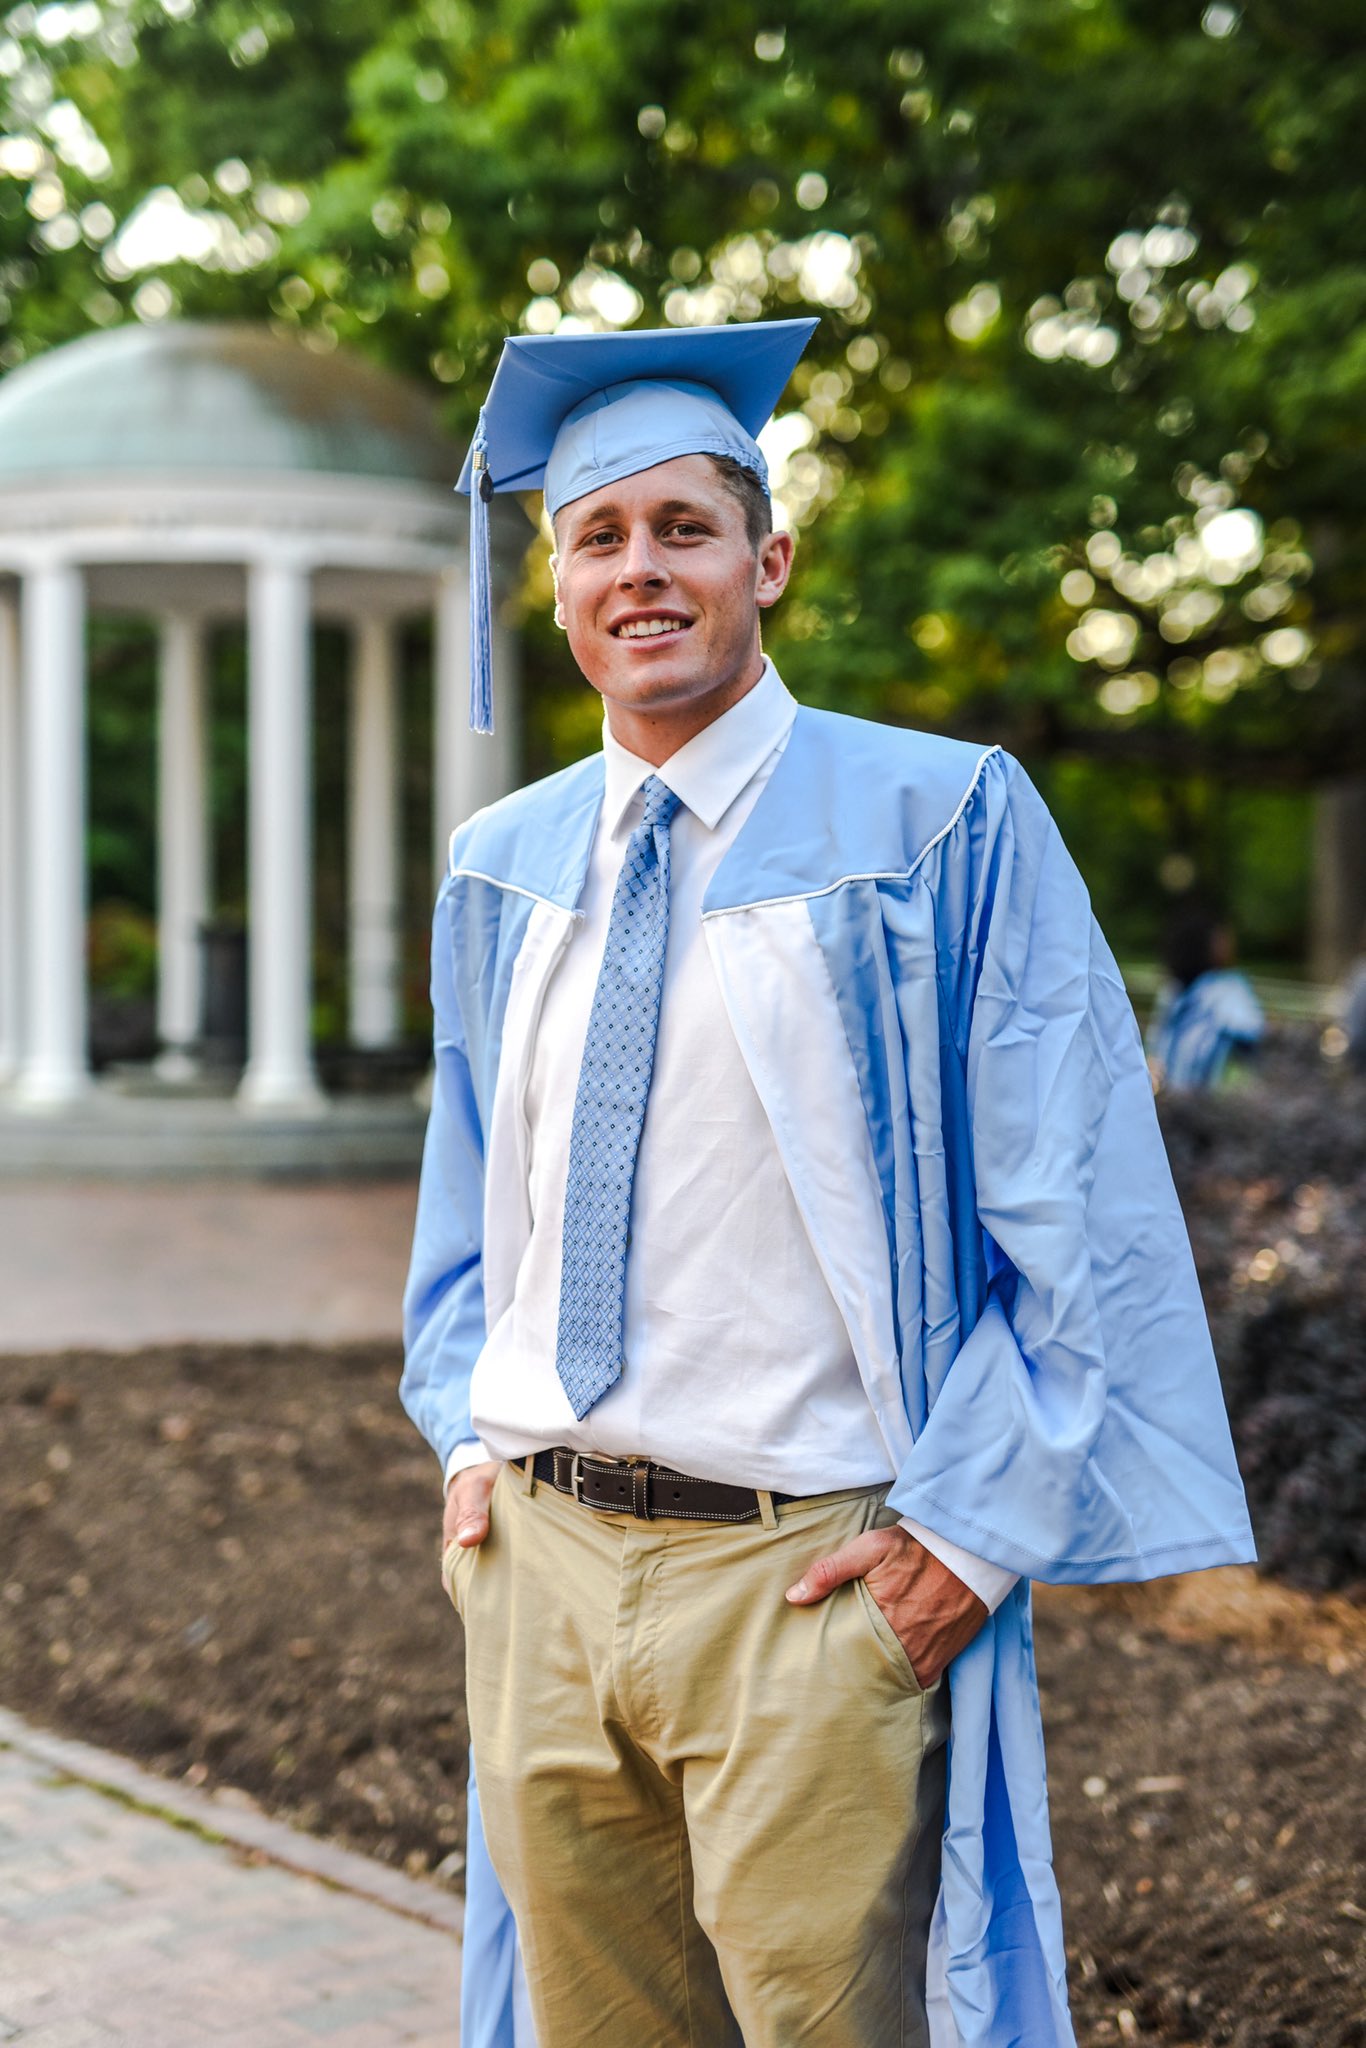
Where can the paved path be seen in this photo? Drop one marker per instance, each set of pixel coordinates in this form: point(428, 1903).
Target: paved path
point(114, 1267)
point(118, 1926)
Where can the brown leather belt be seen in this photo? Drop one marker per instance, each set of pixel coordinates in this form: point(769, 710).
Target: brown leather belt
point(634, 1486)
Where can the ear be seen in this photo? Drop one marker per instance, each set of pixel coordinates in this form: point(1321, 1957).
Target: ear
point(775, 566)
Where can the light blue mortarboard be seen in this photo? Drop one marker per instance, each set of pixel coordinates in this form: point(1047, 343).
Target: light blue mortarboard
point(574, 412)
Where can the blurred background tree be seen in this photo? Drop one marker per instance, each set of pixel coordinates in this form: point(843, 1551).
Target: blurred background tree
point(1076, 453)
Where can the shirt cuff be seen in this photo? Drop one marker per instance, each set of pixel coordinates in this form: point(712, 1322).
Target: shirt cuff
point(471, 1452)
point(990, 1582)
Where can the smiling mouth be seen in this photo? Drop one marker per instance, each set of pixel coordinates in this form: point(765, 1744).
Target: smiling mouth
point(650, 629)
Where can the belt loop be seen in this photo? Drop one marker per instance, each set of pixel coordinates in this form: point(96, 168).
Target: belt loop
point(525, 1468)
point(768, 1514)
point(640, 1490)
point(568, 1476)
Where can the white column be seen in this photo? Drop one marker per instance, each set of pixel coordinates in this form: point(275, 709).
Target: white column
point(182, 838)
point(469, 769)
point(56, 1068)
point(279, 1075)
point(373, 847)
point(11, 856)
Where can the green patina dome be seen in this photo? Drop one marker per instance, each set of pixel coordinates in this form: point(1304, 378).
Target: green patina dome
point(214, 397)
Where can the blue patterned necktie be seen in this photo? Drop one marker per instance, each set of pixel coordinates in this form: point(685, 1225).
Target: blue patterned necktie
point(609, 1110)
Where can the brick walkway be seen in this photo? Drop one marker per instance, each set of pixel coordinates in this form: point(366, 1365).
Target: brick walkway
point(119, 1927)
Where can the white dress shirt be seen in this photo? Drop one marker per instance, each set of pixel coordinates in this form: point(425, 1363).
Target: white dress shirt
point(738, 1365)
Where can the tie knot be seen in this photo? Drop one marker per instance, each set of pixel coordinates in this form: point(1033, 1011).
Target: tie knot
point(660, 802)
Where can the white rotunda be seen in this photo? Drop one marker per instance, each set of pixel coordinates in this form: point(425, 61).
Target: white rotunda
point(197, 472)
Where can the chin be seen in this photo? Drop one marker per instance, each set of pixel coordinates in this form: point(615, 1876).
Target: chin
point(678, 673)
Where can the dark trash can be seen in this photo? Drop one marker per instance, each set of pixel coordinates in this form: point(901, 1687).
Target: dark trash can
point(223, 993)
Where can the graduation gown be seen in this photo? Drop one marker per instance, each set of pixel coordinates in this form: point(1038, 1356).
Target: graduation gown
point(943, 1045)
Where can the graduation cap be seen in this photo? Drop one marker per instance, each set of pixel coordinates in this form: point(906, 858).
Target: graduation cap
point(572, 412)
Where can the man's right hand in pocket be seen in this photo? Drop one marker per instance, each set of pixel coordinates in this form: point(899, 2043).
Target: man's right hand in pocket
point(466, 1520)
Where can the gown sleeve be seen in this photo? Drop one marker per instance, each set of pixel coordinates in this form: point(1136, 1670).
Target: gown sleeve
point(443, 1331)
point(1079, 1432)
point(443, 1301)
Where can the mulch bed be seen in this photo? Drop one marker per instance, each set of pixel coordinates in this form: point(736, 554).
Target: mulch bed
point(224, 1564)
point(1272, 1176)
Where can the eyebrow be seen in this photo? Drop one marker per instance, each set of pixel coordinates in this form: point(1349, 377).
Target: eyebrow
point(670, 509)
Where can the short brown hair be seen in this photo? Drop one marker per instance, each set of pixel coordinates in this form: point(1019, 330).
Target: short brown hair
point(745, 486)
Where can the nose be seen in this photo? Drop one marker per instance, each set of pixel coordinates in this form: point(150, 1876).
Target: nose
point(641, 565)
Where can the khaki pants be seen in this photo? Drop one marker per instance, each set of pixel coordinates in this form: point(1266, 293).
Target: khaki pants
point(717, 1818)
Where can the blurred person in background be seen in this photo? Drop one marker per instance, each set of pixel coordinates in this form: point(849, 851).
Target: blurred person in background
point(1206, 1019)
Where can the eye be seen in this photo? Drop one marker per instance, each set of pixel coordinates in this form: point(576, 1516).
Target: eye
point(688, 529)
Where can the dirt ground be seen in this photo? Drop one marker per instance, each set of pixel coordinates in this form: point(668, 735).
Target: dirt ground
point(224, 1564)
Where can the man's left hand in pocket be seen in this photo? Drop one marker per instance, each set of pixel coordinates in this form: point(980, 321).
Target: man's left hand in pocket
point(934, 1614)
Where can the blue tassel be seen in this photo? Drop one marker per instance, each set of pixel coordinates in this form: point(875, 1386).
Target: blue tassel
point(481, 589)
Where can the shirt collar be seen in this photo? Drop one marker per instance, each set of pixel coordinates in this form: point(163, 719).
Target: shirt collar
point(710, 770)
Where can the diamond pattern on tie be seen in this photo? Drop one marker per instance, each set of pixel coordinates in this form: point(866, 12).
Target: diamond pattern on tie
point(609, 1110)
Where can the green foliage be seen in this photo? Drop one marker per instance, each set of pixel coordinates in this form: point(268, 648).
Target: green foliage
point(122, 950)
point(1090, 276)
point(1131, 826)
point(121, 767)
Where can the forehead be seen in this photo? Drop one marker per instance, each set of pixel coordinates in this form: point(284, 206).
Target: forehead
point(683, 480)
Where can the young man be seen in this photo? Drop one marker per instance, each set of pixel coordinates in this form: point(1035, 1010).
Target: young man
point(797, 1272)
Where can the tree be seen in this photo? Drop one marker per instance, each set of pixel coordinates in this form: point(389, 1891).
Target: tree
point(1081, 429)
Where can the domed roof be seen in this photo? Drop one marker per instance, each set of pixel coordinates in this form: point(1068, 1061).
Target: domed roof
point(214, 396)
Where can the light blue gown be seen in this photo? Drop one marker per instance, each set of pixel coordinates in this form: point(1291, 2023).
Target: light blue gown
point(954, 1077)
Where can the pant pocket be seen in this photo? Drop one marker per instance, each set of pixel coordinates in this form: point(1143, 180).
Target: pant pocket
point(456, 1560)
point(886, 1638)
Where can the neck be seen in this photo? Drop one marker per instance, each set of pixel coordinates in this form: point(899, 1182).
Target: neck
point(654, 733)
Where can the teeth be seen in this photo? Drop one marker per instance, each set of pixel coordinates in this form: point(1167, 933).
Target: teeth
point(643, 629)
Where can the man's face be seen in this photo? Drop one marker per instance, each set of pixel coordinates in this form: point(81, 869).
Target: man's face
point(660, 589)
